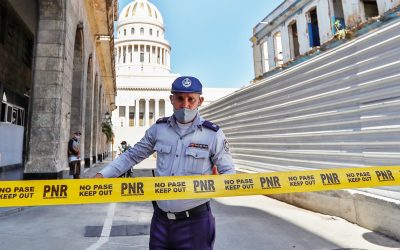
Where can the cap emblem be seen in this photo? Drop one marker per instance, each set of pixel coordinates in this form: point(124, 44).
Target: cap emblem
point(186, 83)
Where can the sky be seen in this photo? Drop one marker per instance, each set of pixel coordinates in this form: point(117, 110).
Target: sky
point(210, 39)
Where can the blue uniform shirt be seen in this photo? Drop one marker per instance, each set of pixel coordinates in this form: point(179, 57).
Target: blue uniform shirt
point(192, 153)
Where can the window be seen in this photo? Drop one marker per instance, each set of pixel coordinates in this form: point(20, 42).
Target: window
point(131, 119)
point(124, 32)
point(9, 113)
point(12, 114)
point(151, 32)
point(3, 112)
point(132, 31)
point(121, 111)
point(158, 33)
point(313, 30)
point(293, 40)
point(142, 31)
point(370, 8)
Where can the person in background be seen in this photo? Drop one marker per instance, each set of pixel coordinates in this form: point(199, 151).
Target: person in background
point(186, 144)
point(125, 147)
point(74, 156)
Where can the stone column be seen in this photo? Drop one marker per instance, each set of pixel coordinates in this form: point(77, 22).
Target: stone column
point(156, 109)
point(126, 116)
point(137, 112)
point(146, 113)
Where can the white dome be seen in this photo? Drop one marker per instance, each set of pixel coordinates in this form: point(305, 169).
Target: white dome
point(140, 9)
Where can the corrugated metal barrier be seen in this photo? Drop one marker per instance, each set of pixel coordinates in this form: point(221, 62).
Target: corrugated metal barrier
point(339, 109)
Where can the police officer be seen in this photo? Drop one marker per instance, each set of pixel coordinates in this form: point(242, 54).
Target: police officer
point(186, 144)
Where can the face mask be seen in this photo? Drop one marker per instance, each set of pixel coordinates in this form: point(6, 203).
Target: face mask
point(185, 115)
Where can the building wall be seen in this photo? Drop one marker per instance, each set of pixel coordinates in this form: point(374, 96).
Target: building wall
point(288, 12)
point(65, 45)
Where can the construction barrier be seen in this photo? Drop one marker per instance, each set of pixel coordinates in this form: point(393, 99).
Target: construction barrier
point(85, 191)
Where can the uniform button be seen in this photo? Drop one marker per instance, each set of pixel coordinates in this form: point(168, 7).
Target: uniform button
point(173, 174)
point(176, 155)
point(180, 138)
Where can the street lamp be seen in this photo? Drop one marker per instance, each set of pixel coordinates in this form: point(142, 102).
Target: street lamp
point(107, 117)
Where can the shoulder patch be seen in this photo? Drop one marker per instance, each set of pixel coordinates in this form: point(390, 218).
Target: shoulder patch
point(162, 120)
point(210, 125)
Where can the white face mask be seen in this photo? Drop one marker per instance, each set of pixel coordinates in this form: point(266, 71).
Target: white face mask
point(185, 115)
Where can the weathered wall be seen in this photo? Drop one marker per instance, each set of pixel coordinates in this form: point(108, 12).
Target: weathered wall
point(64, 38)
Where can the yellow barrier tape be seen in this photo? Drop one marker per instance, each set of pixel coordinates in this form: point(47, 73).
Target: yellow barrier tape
point(84, 191)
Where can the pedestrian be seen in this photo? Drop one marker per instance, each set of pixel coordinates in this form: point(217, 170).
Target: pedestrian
point(186, 144)
point(125, 147)
point(74, 156)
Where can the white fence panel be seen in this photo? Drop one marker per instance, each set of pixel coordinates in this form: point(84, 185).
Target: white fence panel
point(339, 109)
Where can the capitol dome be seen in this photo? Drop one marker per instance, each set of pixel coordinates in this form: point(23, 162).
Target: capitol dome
point(141, 9)
point(140, 45)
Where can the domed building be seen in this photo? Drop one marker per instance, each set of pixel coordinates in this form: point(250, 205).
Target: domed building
point(143, 72)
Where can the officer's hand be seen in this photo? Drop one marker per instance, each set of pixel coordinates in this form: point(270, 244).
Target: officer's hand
point(98, 175)
point(215, 170)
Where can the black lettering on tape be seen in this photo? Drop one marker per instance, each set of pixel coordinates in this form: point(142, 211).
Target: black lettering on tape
point(132, 188)
point(7, 196)
point(330, 179)
point(5, 190)
point(203, 186)
point(384, 175)
point(55, 191)
point(270, 182)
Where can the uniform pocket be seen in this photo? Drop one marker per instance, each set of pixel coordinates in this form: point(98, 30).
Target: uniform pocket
point(163, 153)
point(197, 160)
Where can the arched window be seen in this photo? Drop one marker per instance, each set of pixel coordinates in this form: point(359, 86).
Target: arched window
point(151, 32)
point(124, 32)
point(132, 31)
point(142, 31)
point(158, 33)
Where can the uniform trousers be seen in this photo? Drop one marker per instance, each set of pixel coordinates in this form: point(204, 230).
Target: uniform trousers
point(195, 232)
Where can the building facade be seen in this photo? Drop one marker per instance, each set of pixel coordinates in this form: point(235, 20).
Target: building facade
point(296, 27)
point(143, 70)
point(56, 77)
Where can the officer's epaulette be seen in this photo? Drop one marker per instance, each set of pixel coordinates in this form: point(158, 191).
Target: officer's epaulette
point(210, 125)
point(162, 120)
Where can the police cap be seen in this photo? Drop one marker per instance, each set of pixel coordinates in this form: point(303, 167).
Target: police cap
point(186, 84)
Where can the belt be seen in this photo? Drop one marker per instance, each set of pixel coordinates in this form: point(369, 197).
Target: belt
point(184, 214)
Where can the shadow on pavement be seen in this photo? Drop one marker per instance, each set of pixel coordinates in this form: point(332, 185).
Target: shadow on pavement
point(379, 239)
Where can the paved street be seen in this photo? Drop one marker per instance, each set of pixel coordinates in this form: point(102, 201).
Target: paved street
point(253, 222)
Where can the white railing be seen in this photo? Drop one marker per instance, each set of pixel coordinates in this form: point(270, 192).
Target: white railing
point(338, 109)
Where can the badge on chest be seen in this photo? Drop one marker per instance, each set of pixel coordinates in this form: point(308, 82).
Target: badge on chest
point(198, 145)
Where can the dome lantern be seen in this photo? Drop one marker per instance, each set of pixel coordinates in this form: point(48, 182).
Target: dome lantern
point(141, 9)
